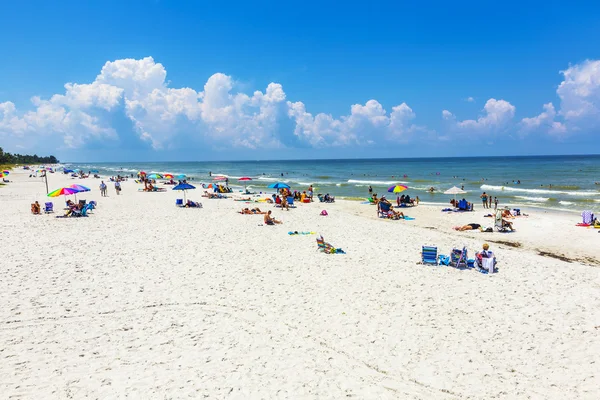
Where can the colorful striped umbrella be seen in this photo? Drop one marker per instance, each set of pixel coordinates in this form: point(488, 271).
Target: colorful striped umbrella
point(168, 176)
point(66, 191)
point(397, 188)
point(155, 176)
point(80, 188)
point(6, 172)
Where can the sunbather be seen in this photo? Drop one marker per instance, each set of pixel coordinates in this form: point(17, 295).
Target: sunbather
point(468, 227)
point(507, 224)
point(269, 220)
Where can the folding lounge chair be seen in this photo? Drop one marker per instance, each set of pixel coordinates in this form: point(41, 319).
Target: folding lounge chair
point(383, 210)
point(48, 208)
point(290, 201)
point(498, 224)
point(429, 255)
point(486, 263)
point(458, 258)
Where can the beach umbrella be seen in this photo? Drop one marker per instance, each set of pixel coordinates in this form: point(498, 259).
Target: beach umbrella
point(168, 176)
point(6, 172)
point(155, 176)
point(397, 188)
point(76, 170)
point(181, 176)
point(65, 191)
point(142, 173)
point(80, 188)
point(184, 187)
point(219, 178)
point(95, 171)
point(245, 179)
point(455, 190)
point(278, 185)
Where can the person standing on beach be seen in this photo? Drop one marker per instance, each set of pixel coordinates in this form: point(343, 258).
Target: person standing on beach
point(103, 189)
point(370, 191)
point(490, 201)
point(484, 199)
point(495, 203)
point(310, 193)
point(118, 187)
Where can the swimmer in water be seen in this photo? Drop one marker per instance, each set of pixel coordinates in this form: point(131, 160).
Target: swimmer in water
point(431, 189)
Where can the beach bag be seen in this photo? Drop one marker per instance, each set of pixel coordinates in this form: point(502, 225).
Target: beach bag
point(324, 213)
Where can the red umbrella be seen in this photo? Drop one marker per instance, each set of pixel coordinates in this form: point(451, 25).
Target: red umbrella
point(245, 179)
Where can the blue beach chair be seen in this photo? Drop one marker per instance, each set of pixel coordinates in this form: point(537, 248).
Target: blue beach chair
point(429, 255)
point(179, 202)
point(458, 258)
point(48, 207)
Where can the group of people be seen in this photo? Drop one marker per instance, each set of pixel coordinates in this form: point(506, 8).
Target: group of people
point(486, 199)
point(385, 207)
point(103, 188)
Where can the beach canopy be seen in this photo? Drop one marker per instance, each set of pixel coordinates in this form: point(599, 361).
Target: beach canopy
point(80, 188)
point(397, 188)
point(278, 185)
point(184, 187)
point(455, 190)
point(65, 191)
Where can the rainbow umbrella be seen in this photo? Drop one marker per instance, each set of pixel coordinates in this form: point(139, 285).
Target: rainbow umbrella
point(397, 188)
point(80, 188)
point(6, 172)
point(168, 176)
point(65, 191)
point(155, 176)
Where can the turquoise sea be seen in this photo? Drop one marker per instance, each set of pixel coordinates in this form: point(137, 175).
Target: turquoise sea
point(575, 180)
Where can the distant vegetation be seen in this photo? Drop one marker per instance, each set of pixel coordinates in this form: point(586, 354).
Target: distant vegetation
point(8, 158)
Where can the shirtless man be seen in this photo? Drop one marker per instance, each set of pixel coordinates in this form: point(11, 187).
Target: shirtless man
point(269, 220)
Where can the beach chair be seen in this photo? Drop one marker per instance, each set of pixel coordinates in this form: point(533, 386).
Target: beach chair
point(588, 217)
point(458, 258)
point(429, 255)
point(498, 223)
point(328, 248)
point(463, 205)
point(179, 202)
point(486, 262)
point(48, 207)
point(290, 201)
point(383, 210)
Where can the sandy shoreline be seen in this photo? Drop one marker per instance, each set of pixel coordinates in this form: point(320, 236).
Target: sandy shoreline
point(146, 300)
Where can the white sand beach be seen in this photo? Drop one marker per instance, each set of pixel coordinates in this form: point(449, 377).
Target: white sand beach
point(146, 300)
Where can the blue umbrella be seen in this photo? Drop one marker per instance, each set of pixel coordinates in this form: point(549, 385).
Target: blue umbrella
point(94, 171)
point(184, 187)
point(181, 176)
point(278, 185)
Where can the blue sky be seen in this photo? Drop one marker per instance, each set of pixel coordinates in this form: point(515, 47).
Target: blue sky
point(422, 77)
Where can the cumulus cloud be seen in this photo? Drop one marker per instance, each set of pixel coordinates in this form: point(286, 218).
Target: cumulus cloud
point(544, 121)
point(365, 124)
point(469, 99)
point(497, 116)
point(217, 115)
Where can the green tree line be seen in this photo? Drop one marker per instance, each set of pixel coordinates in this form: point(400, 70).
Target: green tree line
point(8, 158)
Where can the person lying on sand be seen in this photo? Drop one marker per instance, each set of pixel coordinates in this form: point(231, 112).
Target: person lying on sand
point(269, 220)
point(251, 212)
point(468, 227)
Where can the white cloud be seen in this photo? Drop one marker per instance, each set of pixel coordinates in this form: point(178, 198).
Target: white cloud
point(544, 121)
point(469, 99)
point(498, 115)
point(579, 93)
point(366, 124)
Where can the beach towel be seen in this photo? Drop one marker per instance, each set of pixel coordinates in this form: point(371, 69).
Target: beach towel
point(408, 218)
point(301, 233)
point(444, 260)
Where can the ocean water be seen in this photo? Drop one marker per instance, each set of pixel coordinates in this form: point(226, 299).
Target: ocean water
point(560, 182)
